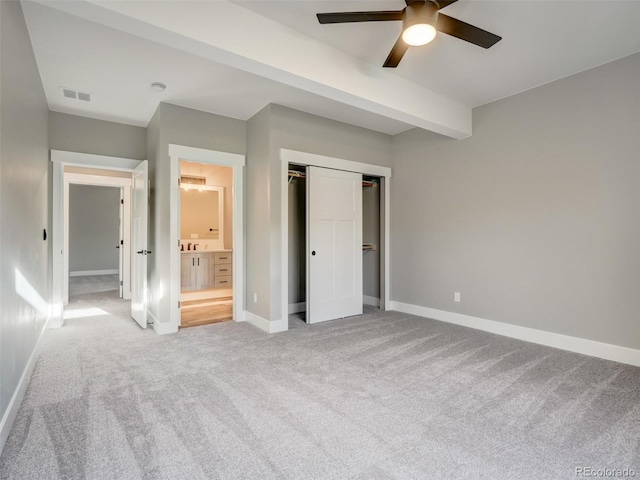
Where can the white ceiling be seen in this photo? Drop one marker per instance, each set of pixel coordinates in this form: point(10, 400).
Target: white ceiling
point(542, 41)
point(118, 69)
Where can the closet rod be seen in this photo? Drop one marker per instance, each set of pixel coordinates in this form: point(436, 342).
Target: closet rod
point(295, 174)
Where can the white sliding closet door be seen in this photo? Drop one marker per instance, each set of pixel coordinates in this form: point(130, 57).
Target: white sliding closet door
point(334, 244)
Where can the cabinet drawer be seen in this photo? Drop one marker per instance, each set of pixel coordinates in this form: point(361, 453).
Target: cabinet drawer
point(224, 281)
point(223, 269)
point(222, 257)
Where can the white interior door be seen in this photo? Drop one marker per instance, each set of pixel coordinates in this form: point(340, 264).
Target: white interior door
point(139, 252)
point(120, 245)
point(334, 244)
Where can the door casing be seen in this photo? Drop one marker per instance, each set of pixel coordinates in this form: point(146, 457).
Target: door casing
point(310, 159)
point(60, 159)
point(214, 157)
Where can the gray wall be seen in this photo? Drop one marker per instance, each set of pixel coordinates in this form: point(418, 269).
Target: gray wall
point(297, 240)
point(304, 132)
point(94, 228)
point(310, 133)
point(181, 126)
point(535, 219)
point(273, 128)
point(371, 234)
point(87, 135)
point(24, 201)
point(258, 241)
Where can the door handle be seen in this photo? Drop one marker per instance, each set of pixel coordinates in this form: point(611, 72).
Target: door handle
point(144, 252)
point(313, 252)
point(117, 246)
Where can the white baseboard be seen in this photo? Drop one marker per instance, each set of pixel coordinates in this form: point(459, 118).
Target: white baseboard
point(371, 301)
point(18, 395)
point(592, 348)
point(274, 326)
point(302, 306)
point(297, 307)
point(161, 328)
point(87, 273)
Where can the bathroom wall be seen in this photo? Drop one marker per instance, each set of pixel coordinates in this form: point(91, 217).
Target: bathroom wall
point(216, 176)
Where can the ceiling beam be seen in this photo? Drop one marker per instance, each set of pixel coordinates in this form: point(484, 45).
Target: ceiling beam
point(232, 35)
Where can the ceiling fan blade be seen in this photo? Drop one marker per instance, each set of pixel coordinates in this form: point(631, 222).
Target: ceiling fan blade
point(396, 54)
point(348, 17)
point(464, 31)
point(441, 3)
point(445, 3)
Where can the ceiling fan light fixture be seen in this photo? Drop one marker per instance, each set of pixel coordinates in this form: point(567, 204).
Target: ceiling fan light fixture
point(419, 23)
point(419, 34)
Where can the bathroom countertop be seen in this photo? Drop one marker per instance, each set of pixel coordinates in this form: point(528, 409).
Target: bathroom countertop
point(207, 251)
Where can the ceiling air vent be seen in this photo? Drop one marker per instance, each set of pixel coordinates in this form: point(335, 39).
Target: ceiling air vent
point(75, 95)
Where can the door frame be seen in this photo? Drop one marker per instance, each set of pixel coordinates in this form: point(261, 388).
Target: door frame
point(311, 159)
point(124, 184)
point(60, 159)
point(200, 155)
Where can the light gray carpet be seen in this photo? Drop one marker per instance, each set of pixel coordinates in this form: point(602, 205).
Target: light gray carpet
point(381, 396)
point(93, 284)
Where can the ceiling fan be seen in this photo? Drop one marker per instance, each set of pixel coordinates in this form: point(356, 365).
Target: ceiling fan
point(421, 20)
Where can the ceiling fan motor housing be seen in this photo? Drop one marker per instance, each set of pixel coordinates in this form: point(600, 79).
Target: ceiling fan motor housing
point(420, 13)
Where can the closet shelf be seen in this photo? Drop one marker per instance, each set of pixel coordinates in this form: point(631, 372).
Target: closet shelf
point(296, 174)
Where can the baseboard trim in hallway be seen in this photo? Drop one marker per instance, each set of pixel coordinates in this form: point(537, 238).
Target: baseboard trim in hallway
point(18, 395)
point(584, 346)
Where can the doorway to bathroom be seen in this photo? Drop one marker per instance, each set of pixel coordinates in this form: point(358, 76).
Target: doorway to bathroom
point(206, 243)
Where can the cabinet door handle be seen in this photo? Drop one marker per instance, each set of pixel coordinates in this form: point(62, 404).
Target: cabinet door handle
point(193, 262)
point(223, 270)
point(198, 261)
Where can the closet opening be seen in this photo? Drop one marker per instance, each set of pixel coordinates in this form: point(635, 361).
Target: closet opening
point(206, 240)
point(298, 245)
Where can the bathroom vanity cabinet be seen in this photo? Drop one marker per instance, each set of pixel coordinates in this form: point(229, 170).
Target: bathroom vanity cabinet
point(205, 270)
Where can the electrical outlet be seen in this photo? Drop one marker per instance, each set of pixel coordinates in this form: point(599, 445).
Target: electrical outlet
point(255, 298)
point(456, 296)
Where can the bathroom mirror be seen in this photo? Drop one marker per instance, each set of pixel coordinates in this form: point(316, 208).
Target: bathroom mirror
point(202, 213)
